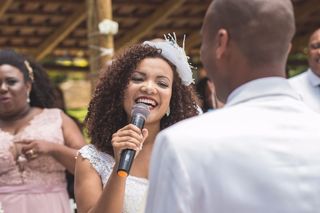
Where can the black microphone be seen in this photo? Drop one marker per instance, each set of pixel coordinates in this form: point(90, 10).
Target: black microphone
point(139, 114)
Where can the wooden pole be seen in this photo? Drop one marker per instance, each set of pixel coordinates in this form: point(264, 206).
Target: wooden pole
point(106, 41)
point(93, 53)
point(98, 10)
point(4, 6)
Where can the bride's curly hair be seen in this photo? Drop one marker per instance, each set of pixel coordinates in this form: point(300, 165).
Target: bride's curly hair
point(106, 113)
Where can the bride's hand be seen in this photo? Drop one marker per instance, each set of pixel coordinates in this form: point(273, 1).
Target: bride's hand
point(128, 137)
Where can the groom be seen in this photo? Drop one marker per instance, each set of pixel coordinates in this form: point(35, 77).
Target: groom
point(261, 152)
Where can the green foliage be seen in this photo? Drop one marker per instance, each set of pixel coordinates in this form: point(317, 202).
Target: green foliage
point(80, 114)
point(295, 70)
point(297, 63)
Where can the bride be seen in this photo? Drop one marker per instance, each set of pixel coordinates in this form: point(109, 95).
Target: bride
point(156, 74)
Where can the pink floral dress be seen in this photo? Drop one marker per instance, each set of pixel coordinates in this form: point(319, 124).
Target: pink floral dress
point(38, 185)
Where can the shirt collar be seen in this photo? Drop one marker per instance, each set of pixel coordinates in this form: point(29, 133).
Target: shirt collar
point(269, 86)
point(313, 78)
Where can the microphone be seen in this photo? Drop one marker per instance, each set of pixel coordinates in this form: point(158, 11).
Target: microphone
point(139, 114)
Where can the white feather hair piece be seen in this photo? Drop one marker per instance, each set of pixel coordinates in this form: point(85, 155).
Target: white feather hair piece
point(176, 55)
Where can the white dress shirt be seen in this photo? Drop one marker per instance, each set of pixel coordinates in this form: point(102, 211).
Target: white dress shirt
point(258, 154)
point(307, 84)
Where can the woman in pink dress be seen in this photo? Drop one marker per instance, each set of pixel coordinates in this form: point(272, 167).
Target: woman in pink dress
point(37, 142)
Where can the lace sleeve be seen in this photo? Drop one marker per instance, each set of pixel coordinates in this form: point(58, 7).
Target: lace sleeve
point(100, 161)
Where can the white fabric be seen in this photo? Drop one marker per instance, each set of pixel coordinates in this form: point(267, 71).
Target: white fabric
point(103, 163)
point(258, 154)
point(307, 84)
point(176, 55)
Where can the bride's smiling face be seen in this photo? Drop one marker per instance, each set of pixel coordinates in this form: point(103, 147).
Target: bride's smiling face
point(151, 84)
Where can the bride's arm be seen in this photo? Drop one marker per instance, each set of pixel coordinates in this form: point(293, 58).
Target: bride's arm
point(90, 195)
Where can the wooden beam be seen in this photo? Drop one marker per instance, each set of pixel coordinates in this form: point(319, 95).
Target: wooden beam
point(106, 41)
point(98, 10)
point(302, 13)
point(146, 4)
point(149, 23)
point(4, 6)
point(192, 40)
point(61, 33)
point(307, 8)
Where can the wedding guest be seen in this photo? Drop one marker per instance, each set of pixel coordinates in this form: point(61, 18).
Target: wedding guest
point(307, 84)
point(37, 142)
point(207, 95)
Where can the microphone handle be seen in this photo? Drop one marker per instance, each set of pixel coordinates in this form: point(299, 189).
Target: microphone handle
point(138, 120)
point(127, 155)
point(126, 159)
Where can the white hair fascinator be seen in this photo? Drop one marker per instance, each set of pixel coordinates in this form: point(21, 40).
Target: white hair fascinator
point(176, 55)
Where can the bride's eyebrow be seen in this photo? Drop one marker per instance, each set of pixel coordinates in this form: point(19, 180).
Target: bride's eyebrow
point(139, 72)
point(163, 77)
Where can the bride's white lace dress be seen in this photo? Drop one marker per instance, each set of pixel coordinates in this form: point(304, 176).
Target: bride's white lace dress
point(136, 188)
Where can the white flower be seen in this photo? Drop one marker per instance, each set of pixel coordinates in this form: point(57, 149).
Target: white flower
point(108, 26)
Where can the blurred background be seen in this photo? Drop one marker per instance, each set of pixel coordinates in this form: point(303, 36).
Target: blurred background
point(64, 35)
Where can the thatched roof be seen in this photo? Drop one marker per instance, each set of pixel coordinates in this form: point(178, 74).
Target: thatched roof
point(49, 28)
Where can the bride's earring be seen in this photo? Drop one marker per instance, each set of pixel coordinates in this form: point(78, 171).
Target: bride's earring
point(168, 111)
point(28, 99)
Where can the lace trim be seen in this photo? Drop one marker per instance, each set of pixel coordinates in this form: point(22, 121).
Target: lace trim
point(101, 162)
point(136, 187)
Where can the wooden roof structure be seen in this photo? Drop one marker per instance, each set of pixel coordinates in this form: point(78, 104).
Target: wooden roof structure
point(53, 28)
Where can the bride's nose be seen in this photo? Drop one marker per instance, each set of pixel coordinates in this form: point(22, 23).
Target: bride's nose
point(149, 88)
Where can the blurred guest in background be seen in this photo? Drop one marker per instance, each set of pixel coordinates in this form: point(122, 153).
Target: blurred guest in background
point(207, 95)
point(307, 84)
point(37, 142)
point(61, 104)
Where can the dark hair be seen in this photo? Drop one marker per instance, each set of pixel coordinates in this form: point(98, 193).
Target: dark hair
point(106, 114)
point(261, 41)
point(201, 87)
point(41, 94)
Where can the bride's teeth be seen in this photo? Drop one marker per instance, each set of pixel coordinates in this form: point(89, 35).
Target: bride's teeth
point(147, 101)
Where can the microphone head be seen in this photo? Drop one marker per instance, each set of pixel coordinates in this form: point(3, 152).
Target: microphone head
point(141, 109)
